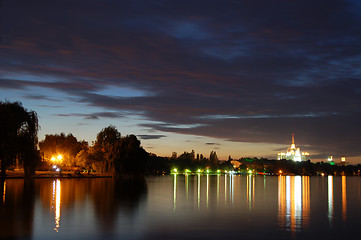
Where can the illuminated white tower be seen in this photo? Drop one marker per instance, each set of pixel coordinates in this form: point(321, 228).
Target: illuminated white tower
point(293, 153)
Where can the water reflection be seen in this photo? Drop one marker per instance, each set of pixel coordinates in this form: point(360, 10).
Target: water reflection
point(330, 199)
point(56, 202)
point(344, 200)
point(228, 207)
point(112, 198)
point(250, 191)
point(3, 190)
point(205, 190)
point(293, 202)
point(174, 191)
point(16, 208)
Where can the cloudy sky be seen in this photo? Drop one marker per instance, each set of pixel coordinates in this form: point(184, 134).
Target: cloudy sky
point(237, 77)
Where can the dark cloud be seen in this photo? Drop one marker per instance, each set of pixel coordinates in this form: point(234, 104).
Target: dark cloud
point(249, 71)
point(213, 144)
point(40, 97)
point(150, 137)
point(50, 106)
point(92, 116)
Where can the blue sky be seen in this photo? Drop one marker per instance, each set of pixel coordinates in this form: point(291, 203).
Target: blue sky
point(236, 77)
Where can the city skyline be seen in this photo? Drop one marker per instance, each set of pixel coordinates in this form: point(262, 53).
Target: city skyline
point(235, 77)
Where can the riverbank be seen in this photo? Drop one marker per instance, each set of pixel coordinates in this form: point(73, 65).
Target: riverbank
point(52, 174)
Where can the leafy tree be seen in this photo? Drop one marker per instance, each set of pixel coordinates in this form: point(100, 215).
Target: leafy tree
point(18, 137)
point(85, 159)
point(103, 148)
point(60, 144)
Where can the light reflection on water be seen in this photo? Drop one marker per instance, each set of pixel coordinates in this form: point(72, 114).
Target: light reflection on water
point(344, 200)
point(330, 199)
point(180, 206)
point(293, 202)
point(56, 203)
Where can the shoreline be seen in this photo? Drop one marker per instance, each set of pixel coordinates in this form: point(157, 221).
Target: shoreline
point(50, 174)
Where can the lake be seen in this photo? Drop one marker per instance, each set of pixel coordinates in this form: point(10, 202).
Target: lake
point(182, 207)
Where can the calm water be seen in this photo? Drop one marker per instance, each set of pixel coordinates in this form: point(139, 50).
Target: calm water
point(182, 207)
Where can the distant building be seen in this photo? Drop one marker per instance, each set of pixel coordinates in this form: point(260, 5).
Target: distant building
point(330, 160)
point(343, 161)
point(294, 153)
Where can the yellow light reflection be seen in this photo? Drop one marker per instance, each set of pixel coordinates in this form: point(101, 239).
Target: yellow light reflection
point(344, 200)
point(293, 202)
point(57, 203)
point(250, 191)
point(305, 200)
point(282, 199)
point(4, 191)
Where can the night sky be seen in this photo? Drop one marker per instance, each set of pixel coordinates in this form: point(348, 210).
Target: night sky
point(236, 77)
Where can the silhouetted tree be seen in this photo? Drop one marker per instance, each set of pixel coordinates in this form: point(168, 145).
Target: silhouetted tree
point(213, 159)
point(107, 138)
point(18, 137)
point(157, 165)
point(128, 158)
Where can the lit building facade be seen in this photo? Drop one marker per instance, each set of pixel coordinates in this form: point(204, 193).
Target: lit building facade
point(293, 153)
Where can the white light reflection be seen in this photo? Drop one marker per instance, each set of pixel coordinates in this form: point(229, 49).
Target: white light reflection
point(231, 178)
point(225, 188)
point(217, 189)
point(330, 198)
point(186, 183)
point(207, 190)
point(175, 192)
point(250, 191)
point(293, 201)
point(298, 201)
point(57, 203)
point(199, 190)
point(288, 201)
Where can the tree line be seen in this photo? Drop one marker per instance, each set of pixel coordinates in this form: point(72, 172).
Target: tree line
point(120, 157)
point(111, 153)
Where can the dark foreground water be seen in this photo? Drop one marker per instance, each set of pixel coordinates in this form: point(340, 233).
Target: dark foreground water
point(183, 207)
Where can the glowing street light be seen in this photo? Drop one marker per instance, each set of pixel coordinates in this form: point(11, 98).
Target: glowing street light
point(57, 158)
